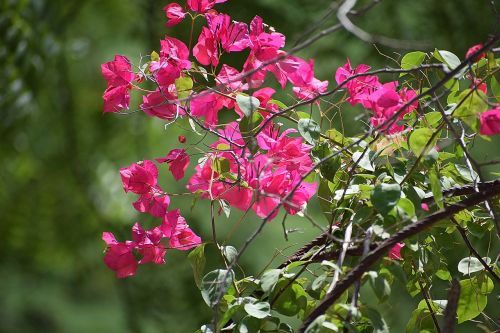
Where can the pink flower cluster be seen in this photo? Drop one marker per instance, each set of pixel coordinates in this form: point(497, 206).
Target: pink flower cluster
point(142, 179)
point(383, 99)
point(220, 35)
point(262, 180)
point(118, 73)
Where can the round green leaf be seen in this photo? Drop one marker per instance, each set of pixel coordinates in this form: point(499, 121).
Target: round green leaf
point(197, 260)
point(183, 85)
point(419, 140)
point(258, 310)
point(473, 299)
point(447, 58)
point(269, 279)
point(309, 129)
point(412, 59)
point(471, 265)
point(230, 253)
point(247, 104)
point(291, 300)
point(214, 285)
point(385, 197)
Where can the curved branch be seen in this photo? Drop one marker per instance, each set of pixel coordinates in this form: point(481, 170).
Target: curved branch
point(381, 250)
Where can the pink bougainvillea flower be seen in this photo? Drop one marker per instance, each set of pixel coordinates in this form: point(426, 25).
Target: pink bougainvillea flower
point(116, 98)
point(264, 44)
point(314, 88)
point(490, 122)
point(229, 80)
point(360, 87)
point(170, 220)
point(178, 162)
point(140, 177)
point(174, 226)
point(425, 207)
point(119, 256)
point(236, 37)
point(238, 197)
point(118, 72)
point(202, 6)
point(174, 13)
point(301, 196)
point(148, 244)
point(233, 36)
point(175, 52)
point(165, 72)
point(156, 104)
point(183, 238)
point(206, 51)
point(474, 49)
point(385, 102)
point(207, 104)
point(395, 252)
point(154, 202)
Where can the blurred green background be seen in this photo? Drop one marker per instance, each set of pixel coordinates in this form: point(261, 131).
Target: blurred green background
point(60, 155)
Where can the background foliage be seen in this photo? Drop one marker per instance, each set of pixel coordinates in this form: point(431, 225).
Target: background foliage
point(60, 155)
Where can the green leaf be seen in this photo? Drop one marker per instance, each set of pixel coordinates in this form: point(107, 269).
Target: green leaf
point(269, 279)
point(495, 88)
point(465, 173)
point(258, 310)
point(412, 59)
point(436, 187)
point(320, 324)
point(249, 124)
point(330, 167)
point(226, 208)
point(214, 285)
point(363, 160)
point(380, 286)
point(324, 197)
point(385, 197)
point(471, 265)
point(433, 118)
point(183, 85)
point(443, 274)
point(278, 103)
point(309, 129)
point(221, 165)
point(248, 104)
point(303, 115)
point(249, 324)
point(289, 301)
point(473, 299)
point(206, 329)
point(230, 253)
point(378, 322)
point(406, 208)
point(197, 260)
point(419, 140)
point(336, 136)
point(447, 58)
point(155, 56)
point(471, 104)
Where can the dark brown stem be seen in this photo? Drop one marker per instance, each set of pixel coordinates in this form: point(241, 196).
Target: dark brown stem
point(450, 313)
